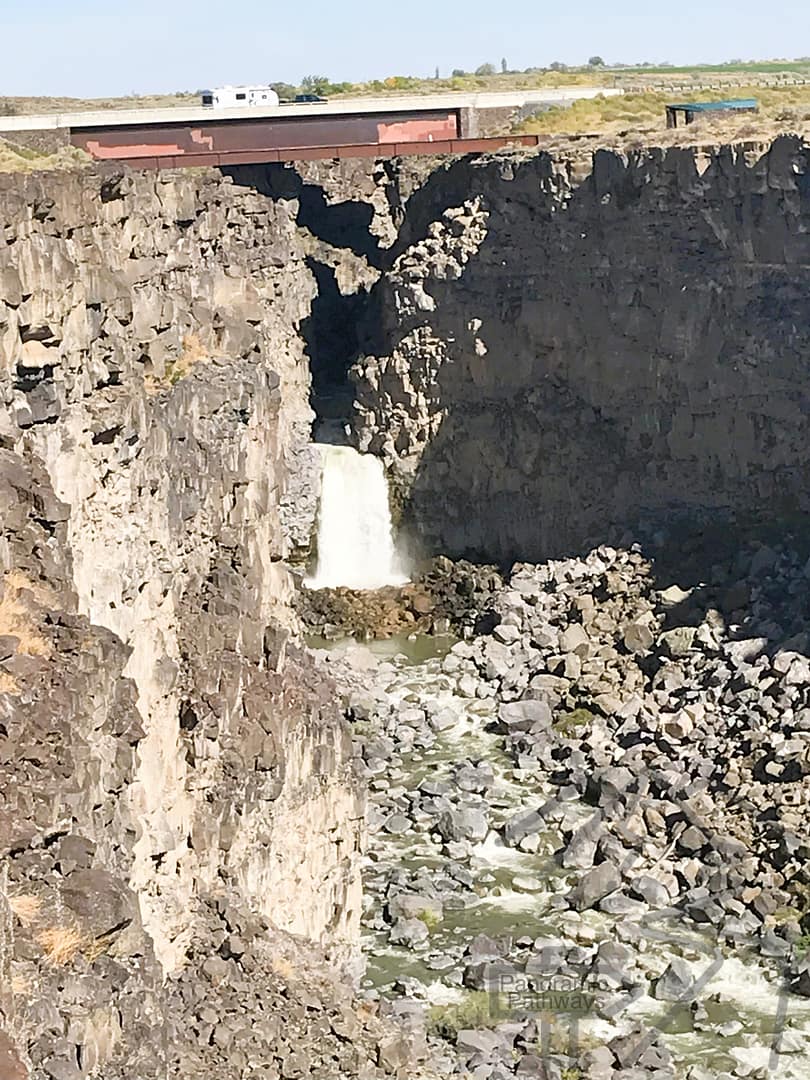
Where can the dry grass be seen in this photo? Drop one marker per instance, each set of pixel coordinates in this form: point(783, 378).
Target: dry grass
point(283, 967)
point(17, 620)
point(42, 592)
point(193, 353)
point(779, 108)
point(9, 685)
point(532, 78)
point(19, 106)
point(26, 907)
point(18, 159)
point(95, 947)
point(62, 944)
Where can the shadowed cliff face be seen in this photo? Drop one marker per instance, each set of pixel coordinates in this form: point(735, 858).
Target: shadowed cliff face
point(576, 347)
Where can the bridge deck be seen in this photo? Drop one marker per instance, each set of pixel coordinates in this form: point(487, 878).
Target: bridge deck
point(110, 118)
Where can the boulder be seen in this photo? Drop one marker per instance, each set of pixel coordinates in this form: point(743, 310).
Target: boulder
point(486, 1043)
point(594, 885)
point(678, 643)
point(466, 823)
point(676, 983)
point(575, 639)
point(581, 850)
point(414, 906)
point(526, 715)
point(408, 932)
point(521, 826)
point(638, 637)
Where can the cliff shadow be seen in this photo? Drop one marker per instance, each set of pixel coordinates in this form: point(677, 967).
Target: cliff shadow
point(638, 371)
point(345, 224)
point(331, 336)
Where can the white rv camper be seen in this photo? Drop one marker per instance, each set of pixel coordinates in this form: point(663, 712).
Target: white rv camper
point(235, 97)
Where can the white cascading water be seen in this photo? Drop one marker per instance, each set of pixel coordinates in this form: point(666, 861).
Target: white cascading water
point(355, 541)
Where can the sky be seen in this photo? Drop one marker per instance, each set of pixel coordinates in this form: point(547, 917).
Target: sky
point(92, 48)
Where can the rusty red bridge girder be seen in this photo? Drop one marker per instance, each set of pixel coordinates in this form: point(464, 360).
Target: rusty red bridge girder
point(222, 158)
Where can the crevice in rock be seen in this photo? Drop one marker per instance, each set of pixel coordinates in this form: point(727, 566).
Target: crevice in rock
point(332, 335)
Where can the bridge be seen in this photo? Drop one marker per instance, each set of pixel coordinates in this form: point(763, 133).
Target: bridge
point(356, 127)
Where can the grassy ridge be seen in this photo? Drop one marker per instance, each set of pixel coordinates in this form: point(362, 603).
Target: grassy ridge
point(22, 159)
point(535, 78)
point(646, 111)
point(764, 67)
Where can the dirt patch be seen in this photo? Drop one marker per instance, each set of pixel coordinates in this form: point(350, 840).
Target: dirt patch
point(444, 596)
point(19, 618)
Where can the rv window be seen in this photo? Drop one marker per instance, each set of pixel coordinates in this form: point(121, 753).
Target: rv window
point(240, 97)
point(208, 99)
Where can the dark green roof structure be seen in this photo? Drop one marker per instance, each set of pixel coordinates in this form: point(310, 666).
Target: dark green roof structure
point(693, 109)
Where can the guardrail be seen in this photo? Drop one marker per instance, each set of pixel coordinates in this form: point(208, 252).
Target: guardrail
point(688, 87)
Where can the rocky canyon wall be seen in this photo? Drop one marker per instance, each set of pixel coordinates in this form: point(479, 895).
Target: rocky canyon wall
point(548, 349)
point(151, 369)
point(565, 345)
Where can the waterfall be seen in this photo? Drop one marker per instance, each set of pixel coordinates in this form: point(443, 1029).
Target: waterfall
point(355, 544)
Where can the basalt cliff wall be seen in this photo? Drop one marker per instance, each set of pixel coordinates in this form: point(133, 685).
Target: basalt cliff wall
point(177, 794)
point(566, 346)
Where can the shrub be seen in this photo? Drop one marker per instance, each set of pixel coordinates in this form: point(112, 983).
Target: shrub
point(570, 723)
point(431, 920)
point(315, 84)
point(193, 352)
point(473, 1012)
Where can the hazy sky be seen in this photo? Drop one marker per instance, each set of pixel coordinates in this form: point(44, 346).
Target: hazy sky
point(95, 47)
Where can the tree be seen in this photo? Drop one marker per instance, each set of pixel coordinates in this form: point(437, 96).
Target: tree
point(437, 71)
point(596, 61)
point(504, 66)
point(557, 65)
point(285, 91)
point(485, 69)
point(458, 73)
point(315, 84)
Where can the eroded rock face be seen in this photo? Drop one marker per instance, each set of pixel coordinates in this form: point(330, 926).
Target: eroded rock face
point(624, 339)
point(150, 360)
point(82, 987)
point(176, 785)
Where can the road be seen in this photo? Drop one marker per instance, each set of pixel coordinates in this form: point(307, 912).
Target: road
point(341, 107)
